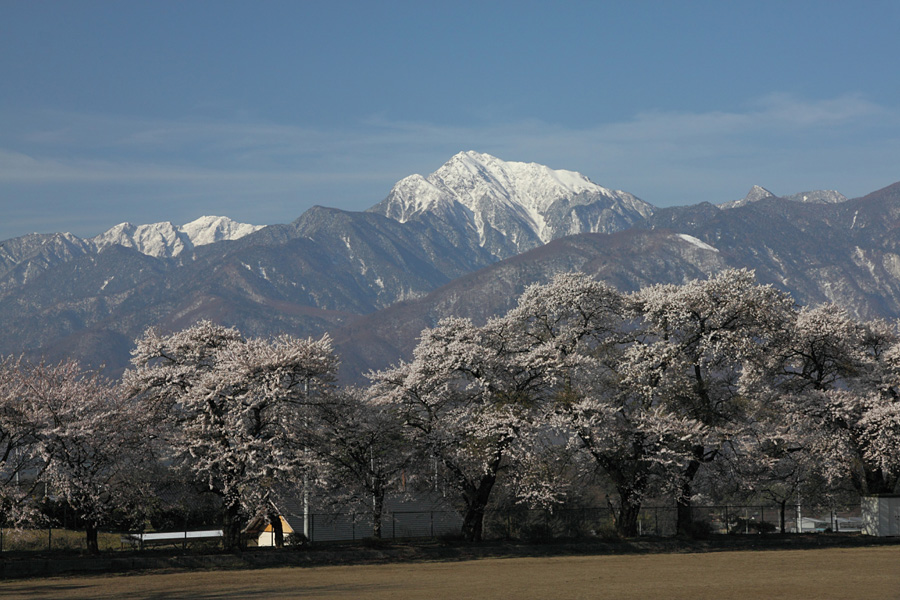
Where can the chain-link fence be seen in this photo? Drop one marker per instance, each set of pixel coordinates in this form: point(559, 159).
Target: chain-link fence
point(334, 527)
point(754, 519)
point(517, 523)
point(571, 523)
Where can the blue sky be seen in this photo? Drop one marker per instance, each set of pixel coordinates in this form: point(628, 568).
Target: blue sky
point(169, 110)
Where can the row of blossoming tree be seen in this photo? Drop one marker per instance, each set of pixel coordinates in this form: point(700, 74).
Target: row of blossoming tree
point(670, 392)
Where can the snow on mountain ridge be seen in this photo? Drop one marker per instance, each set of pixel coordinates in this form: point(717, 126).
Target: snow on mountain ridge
point(529, 184)
point(519, 200)
point(157, 239)
point(470, 175)
point(166, 240)
point(472, 178)
point(696, 242)
point(818, 197)
point(208, 230)
point(758, 193)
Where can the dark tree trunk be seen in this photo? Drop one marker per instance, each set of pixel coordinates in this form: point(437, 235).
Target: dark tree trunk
point(232, 527)
point(684, 509)
point(476, 500)
point(625, 516)
point(875, 482)
point(93, 546)
point(277, 529)
point(782, 510)
point(684, 515)
point(377, 511)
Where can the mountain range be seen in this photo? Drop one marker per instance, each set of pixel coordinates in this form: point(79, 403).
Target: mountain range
point(464, 240)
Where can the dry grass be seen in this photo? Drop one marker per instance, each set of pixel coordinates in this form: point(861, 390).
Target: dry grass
point(835, 573)
point(43, 540)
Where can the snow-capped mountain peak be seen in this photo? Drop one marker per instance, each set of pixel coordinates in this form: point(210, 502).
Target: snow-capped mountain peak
point(514, 206)
point(156, 239)
point(758, 193)
point(166, 240)
point(208, 230)
point(529, 184)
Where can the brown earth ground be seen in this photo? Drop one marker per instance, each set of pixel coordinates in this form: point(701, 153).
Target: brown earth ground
point(829, 573)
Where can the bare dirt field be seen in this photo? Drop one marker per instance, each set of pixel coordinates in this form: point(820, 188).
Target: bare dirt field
point(833, 573)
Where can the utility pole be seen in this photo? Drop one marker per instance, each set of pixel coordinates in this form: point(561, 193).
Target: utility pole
point(306, 470)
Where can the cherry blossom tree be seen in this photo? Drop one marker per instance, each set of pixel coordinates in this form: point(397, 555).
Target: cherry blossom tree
point(699, 347)
point(649, 388)
point(768, 462)
point(826, 349)
point(636, 446)
point(584, 331)
point(572, 315)
point(93, 443)
point(645, 385)
point(18, 436)
point(839, 383)
point(467, 398)
point(235, 408)
point(363, 450)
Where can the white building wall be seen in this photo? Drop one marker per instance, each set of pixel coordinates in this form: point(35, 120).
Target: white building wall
point(881, 515)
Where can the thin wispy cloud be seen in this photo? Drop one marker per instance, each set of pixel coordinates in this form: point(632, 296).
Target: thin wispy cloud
point(666, 157)
point(778, 113)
